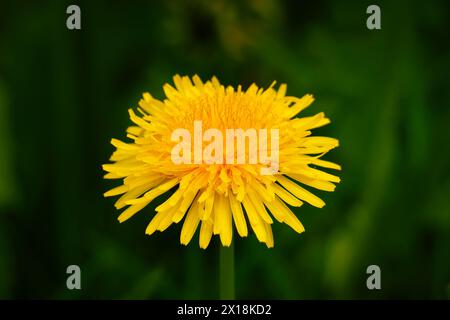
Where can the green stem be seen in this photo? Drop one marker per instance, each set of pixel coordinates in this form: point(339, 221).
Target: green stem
point(226, 272)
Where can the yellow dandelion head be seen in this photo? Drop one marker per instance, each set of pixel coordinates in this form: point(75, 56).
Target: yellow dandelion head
point(214, 189)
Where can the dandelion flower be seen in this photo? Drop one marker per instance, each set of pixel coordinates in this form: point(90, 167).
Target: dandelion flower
point(214, 197)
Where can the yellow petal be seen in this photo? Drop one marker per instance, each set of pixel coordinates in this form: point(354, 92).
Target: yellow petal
point(299, 192)
point(318, 175)
point(269, 239)
point(259, 206)
point(286, 196)
point(209, 203)
point(318, 184)
point(167, 219)
point(190, 224)
point(325, 164)
point(255, 220)
point(153, 225)
point(116, 191)
point(299, 105)
point(206, 231)
point(185, 203)
point(288, 216)
point(131, 210)
point(226, 231)
point(173, 200)
point(238, 216)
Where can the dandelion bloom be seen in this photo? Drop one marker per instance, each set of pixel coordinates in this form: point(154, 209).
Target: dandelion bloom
point(215, 195)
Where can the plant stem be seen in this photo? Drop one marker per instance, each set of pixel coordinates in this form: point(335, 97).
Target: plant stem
point(226, 272)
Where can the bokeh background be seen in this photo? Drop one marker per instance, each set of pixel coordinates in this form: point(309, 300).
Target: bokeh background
point(64, 94)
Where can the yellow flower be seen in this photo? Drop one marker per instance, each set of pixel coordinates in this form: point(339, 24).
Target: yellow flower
point(215, 195)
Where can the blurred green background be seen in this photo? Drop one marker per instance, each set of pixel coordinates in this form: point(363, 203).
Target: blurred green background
point(64, 94)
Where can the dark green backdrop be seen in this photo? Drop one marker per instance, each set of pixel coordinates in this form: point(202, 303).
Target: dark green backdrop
point(64, 94)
